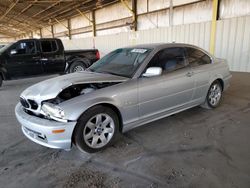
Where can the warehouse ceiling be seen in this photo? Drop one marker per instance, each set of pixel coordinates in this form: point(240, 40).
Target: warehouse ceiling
point(21, 16)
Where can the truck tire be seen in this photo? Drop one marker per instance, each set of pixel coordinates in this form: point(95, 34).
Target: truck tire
point(1, 80)
point(79, 65)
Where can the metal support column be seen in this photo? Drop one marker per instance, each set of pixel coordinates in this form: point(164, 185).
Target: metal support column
point(171, 12)
point(69, 29)
point(134, 9)
point(41, 34)
point(213, 27)
point(93, 23)
point(52, 31)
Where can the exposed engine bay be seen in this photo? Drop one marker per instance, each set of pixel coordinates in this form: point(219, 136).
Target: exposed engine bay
point(31, 106)
point(79, 89)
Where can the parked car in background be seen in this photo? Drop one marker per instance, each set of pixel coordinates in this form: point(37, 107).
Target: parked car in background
point(31, 57)
point(127, 88)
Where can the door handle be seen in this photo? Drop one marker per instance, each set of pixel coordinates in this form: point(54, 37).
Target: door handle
point(189, 74)
point(36, 58)
point(44, 59)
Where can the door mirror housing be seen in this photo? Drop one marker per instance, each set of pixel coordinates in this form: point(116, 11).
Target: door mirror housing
point(152, 71)
point(13, 52)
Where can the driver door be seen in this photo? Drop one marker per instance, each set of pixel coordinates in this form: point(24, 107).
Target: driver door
point(174, 88)
point(24, 59)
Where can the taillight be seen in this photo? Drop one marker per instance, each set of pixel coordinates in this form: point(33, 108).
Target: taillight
point(97, 55)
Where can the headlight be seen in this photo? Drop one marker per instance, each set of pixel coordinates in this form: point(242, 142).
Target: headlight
point(53, 111)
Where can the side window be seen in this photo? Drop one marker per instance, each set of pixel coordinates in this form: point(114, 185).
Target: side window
point(49, 46)
point(169, 59)
point(24, 48)
point(196, 57)
point(54, 45)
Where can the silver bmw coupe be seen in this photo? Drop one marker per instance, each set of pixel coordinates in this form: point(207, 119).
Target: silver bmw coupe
point(125, 89)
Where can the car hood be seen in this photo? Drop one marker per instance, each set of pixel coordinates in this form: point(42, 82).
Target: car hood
point(50, 88)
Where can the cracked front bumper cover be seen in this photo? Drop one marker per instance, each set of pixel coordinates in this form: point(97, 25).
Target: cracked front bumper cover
point(39, 130)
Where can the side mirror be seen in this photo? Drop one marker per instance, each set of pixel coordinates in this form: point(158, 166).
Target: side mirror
point(13, 52)
point(153, 71)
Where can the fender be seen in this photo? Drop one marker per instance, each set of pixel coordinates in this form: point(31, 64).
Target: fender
point(215, 77)
point(70, 59)
point(86, 104)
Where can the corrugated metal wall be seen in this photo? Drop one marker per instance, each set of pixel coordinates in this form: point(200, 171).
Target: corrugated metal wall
point(232, 40)
point(234, 8)
point(197, 34)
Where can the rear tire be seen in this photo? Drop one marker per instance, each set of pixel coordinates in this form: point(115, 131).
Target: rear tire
point(96, 129)
point(79, 65)
point(214, 96)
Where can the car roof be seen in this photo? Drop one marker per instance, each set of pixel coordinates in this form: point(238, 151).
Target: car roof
point(159, 46)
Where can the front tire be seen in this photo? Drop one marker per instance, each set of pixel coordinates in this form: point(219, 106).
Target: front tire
point(96, 129)
point(214, 96)
point(1, 81)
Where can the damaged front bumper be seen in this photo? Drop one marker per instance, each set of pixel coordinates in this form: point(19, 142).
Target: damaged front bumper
point(46, 132)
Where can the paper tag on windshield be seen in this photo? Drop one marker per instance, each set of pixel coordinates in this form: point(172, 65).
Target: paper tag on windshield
point(137, 50)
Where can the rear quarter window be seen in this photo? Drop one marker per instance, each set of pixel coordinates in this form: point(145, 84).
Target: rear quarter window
point(196, 57)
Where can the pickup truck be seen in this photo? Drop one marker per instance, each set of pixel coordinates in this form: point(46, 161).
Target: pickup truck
point(31, 57)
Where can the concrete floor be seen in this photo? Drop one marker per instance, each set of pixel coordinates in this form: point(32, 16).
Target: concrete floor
point(195, 148)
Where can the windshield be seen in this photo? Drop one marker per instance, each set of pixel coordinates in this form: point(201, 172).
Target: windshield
point(5, 47)
point(122, 62)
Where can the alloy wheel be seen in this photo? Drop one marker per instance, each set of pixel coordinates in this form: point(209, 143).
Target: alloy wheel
point(99, 130)
point(214, 94)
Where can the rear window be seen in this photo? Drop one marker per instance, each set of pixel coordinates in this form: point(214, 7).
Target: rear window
point(49, 46)
point(197, 57)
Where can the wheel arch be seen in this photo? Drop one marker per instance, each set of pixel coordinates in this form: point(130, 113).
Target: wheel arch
point(2, 75)
point(117, 111)
point(83, 59)
point(221, 83)
point(73, 59)
point(105, 104)
point(216, 77)
point(220, 80)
